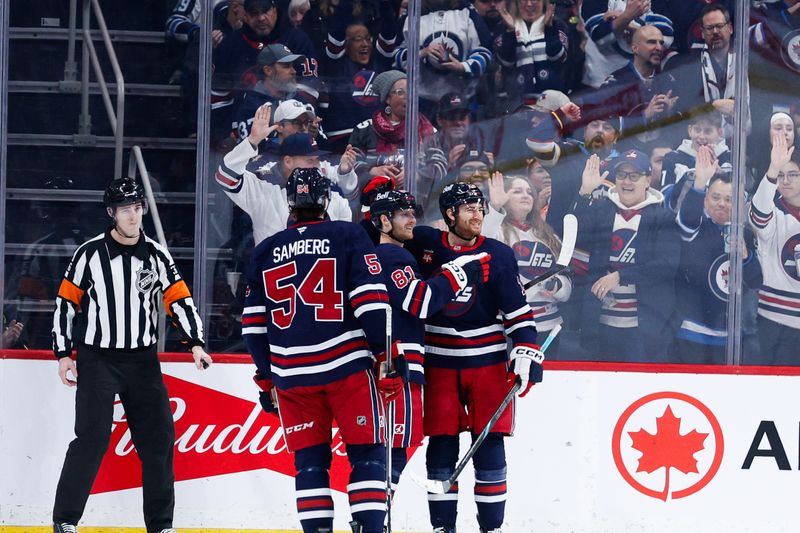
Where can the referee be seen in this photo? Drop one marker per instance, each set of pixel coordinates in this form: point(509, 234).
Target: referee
point(107, 307)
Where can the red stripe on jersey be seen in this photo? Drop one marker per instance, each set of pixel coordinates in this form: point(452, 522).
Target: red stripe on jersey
point(315, 502)
point(416, 300)
point(779, 301)
point(225, 180)
point(253, 319)
point(376, 495)
point(462, 341)
point(369, 298)
point(413, 357)
point(288, 361)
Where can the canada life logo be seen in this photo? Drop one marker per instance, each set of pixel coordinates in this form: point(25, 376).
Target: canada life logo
point(667, 445)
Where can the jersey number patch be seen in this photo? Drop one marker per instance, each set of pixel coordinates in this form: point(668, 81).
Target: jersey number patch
point(318, 290)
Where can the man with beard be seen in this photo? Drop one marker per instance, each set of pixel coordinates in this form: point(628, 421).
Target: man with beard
point(277, 82)
point(713, 83)
point(452, 145)
point(640, 92)
point(236, 57)
point(565, 159)
point(466, 381)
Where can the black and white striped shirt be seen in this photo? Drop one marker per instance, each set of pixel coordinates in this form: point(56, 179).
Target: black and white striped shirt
point(108, 297)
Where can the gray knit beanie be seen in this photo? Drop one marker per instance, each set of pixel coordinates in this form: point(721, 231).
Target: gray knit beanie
point(383, 82)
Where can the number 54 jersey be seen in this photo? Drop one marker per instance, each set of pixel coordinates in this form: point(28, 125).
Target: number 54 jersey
point(315, 307)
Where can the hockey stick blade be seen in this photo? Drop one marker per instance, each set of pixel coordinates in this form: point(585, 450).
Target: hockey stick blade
point(433, 486)
point(565, 256)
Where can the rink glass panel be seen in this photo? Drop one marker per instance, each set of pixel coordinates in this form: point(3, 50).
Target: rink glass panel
point(216, 266)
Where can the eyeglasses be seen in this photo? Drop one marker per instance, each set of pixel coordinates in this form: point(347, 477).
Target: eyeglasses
point(398, 92)
point(529, 2)
point(633, 177)
point(360, 39)
point(470, 170)
point(715, 27)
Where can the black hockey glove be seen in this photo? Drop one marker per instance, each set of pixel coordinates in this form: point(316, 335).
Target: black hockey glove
point(267, 396)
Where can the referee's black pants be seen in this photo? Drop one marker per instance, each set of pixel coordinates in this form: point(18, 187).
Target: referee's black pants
point(136, 377)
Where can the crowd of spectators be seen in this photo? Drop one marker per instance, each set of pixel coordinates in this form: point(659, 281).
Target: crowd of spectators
point(619, 111)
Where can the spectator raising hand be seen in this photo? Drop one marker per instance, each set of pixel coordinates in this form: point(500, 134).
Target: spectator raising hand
point(591, 178)
point(707, 165)
point(498, 197)
point(261, 128)
point(780, 155)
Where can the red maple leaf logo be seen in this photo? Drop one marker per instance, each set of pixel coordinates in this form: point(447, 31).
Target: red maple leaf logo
point(667, 448)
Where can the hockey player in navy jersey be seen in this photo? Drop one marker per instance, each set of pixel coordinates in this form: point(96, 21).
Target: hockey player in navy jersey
point(466, 360)
point(315, 313)
point(394, 215)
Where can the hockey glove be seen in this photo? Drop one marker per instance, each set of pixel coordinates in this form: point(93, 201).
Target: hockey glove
point(467, 270)
point(526, 364)
point(267, 397)
point(390, 384)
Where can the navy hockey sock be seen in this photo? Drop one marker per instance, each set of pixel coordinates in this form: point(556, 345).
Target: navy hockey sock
point(367, 487)
point(441, 461)
point(399, 461)
point(490, 481)
point(312, 485)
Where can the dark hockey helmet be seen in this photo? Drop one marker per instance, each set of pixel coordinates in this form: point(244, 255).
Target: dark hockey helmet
point(389, 202)
point(124, 191)
point(457, 194)
point(307, 188)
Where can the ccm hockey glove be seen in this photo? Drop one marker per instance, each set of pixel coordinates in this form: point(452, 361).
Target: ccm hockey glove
point(390, 384)
point(268, 395)
point(467, 270)
point(526, 363)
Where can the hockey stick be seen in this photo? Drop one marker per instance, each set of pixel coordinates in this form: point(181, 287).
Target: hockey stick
point(436, 486)
point(565, 256)
point(389, 424)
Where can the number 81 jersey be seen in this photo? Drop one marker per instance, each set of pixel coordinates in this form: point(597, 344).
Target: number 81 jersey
point(315, 307)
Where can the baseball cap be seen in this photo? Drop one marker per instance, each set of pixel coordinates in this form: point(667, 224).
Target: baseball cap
point(255, 6)
point(452, 102)
point(291, 109)
point(299, 144)
point(276, 53)
point(639, 160)
point(550, 100)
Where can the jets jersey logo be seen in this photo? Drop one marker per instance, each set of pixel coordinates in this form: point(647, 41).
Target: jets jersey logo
point(363, 94)
point(789, 256)
point(790, 50)
point(533, 258)
point(718, 277)
point(462, 303)
point(622, 248)
point(145, 279)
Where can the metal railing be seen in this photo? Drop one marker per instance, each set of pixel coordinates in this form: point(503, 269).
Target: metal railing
point(116, 116)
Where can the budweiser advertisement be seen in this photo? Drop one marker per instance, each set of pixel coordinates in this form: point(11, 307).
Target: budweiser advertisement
point(595, 450)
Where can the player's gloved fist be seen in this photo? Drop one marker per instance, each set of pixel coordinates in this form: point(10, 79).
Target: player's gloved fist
point(526, 364)
point(390, 384)
point(467, 270)
point(266, 397)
